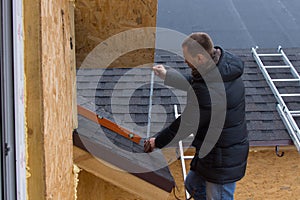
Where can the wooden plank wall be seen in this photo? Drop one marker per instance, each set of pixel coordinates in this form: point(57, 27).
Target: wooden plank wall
point(97, 20)
point(49, 98)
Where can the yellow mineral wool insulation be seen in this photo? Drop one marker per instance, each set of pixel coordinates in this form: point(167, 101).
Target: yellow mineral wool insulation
point(76, 171)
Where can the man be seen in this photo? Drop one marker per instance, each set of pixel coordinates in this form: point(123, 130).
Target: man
point(213, 176)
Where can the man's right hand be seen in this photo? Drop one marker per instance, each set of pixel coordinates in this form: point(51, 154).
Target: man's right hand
point(149, 145)
point(160, 71)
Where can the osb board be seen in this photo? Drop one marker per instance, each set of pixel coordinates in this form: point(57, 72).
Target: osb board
point(98, 20)
point(58, 80)
point(73, 62)
point(49, 81)
point(91, 187)
point(123, 181)
point(35, 161)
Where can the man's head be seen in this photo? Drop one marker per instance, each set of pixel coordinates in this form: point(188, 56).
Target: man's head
point(197, 49)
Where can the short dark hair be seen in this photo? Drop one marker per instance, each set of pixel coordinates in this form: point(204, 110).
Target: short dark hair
point(198, 42)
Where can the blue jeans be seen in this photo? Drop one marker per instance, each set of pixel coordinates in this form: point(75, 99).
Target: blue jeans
point(204, 190)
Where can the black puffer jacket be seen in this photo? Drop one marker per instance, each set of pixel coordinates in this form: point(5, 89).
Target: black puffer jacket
point(227, 160)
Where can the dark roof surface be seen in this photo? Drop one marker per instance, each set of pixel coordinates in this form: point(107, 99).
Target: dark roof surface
point(125, 94)
point(235, 23)
point(120, 151)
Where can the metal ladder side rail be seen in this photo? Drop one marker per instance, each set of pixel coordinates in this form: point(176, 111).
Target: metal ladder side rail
point(182, 156)
point(268, 78)
point(283, 110)
point(285, 113)
point(288, 62)
point(289, 114)
point(291, 125)
point(292, 114)
point(292, 131)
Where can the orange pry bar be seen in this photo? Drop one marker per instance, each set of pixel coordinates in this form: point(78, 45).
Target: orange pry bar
point(108, 124)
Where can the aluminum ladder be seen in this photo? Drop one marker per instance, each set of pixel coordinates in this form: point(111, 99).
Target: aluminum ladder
point(182, 156)
point(287, 116)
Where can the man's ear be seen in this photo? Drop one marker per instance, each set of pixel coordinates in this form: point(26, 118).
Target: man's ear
point(200, 58)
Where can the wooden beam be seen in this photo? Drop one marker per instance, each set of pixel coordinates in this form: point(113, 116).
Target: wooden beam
point(117, 176)
point(35, 161)
point(271, 148)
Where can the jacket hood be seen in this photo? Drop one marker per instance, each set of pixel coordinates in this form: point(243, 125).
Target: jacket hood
point(229, 66)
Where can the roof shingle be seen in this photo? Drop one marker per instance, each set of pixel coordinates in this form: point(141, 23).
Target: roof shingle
point(126, 92)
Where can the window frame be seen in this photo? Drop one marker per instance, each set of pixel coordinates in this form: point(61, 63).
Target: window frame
point(8, 157)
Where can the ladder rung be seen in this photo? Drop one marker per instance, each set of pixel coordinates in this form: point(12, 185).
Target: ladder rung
point(269, 54)
point(295, 112)
point(290, 95)
point(295, 115)
point(188, 157)
point(277, 66)
point(285, 79)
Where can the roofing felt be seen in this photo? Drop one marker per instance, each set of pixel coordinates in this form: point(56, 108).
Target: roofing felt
point(235, 23)
point(115, 149)
point(124, 93)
